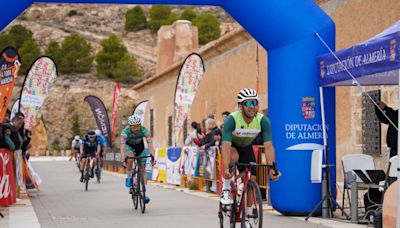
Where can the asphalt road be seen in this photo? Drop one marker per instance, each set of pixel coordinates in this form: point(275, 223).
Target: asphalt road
point(63, 202)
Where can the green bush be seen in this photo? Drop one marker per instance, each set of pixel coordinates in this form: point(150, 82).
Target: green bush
point(20, 35)
point(5, 41)
point(113, 61)
point(76, 55)
point(29, 52)
point(135, 19)
point(188, 14)
point(54, 51)
point(127, 70)
point(158, 17)
point(72, 13)
point(209, 27)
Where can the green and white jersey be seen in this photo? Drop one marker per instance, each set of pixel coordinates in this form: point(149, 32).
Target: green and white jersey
point(130, 138)
point(241, 134)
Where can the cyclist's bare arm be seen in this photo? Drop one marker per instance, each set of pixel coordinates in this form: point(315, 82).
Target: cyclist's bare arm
point(123, 147)
point(226, 158)
point(81, 149)
point(149, 141)
point(269, 152)
point(98, 150)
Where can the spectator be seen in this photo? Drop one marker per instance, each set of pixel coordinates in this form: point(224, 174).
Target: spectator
point(16, 124)
point(7, 116)
point(193, 137)
point(391, 137)
point(5, 138)
point(211, 128)
point(224, 116)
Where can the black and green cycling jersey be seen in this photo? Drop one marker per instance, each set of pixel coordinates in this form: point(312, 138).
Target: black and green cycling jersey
point(241, 134)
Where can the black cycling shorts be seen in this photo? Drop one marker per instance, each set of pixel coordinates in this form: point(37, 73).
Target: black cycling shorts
point(246, 155)
point(88, 154)
point(137, 148)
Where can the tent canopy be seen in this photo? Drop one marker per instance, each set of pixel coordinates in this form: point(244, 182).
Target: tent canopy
point(373, 62)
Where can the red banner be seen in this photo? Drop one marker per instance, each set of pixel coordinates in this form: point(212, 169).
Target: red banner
point(115, 109)
point(8, 190)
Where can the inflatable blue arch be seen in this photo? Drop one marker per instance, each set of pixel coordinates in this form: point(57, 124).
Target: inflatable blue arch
point(286, 29)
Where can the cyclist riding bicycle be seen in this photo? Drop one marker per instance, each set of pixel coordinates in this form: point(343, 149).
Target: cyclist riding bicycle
point(76, 145)
point(240, 130)
point(103, 146)
point(90, 148)
point(132, 145)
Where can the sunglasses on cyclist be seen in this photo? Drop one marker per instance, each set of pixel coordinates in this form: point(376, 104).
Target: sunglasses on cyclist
point(248, 104)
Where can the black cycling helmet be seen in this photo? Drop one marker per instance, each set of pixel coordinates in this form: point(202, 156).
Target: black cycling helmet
point(91, 134)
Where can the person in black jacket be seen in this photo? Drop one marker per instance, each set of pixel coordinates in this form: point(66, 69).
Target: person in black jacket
point(391, 137)
point(16, 124)
point(5, 140)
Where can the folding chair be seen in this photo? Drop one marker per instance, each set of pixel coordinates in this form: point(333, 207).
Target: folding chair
point(351, 162)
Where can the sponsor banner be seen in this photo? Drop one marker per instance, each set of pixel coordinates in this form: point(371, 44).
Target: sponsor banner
point(205, 165)
point(186, 87)
point(14, 108)
point(115, 109)
point(37, 85)
point(8, 193)
point(188, 161)
point(9, 66)
point(18, 167)
point(149, 167)
point(140, 109)
point(100, 114)
point(173, 162)
point(162, 165)
point(154, 174)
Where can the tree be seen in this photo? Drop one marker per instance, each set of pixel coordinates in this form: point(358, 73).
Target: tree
point(75, 128)
point(76, 55)
point(54, 51)
point(127, 70)
point(29, 52)
point(209, 27)
point(158, 17)
point(113, 51)
point(20, 35)
point(5, 41)
point(135, 19)
point(188, 14)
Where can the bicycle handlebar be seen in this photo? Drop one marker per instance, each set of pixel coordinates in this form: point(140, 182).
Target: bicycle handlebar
point(254, 164)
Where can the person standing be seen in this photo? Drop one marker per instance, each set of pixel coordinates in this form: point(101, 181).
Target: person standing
point(391, 136)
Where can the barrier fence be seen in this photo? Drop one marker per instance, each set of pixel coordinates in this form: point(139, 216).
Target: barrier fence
point(189, 167)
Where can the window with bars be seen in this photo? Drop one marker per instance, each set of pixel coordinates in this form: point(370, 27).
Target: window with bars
point(371, 127)
point(152, 122)
point(169, 130)
point(185, 130)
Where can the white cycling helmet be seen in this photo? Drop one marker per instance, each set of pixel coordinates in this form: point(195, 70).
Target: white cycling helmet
point(98, 132)
point(134, 120)
point(247, 94)
point(77, 137)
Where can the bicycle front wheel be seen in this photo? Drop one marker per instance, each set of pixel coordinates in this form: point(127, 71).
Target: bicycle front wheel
point(252, 199)
point(87, 177)
point(135, 194)
point(141, 192)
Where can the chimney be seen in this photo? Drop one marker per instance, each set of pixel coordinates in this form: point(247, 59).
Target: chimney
point(175, 42)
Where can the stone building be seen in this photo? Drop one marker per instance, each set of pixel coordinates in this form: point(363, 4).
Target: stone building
point(231, 65)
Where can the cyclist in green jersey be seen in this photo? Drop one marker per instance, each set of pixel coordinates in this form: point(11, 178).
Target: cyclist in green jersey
point(240, 130)
point(132, 145)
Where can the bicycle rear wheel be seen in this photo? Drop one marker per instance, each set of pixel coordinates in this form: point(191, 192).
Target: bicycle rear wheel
point(141, 191)
point(255, 217)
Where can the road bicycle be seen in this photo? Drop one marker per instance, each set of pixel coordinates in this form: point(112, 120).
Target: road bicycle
point(138, 189)
point(230, 214)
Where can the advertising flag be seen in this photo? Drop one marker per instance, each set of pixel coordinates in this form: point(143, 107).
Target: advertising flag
point(100, 115)
point(186, 87)
point(115, 109)
point(36, 86)
point(14, 108)
point(140, 109)
point(9, 66)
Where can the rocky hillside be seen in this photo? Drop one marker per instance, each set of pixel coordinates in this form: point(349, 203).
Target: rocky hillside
point(50, 22)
